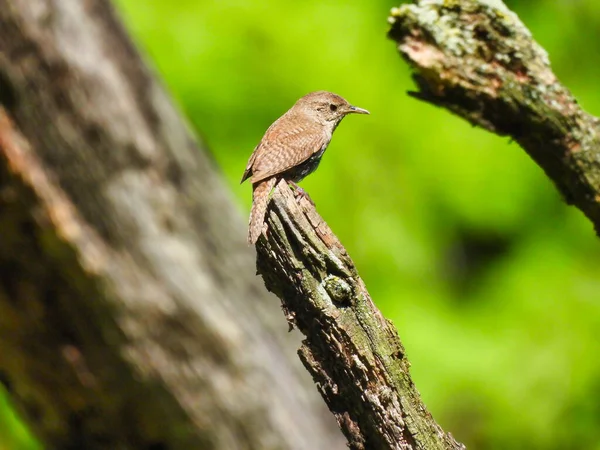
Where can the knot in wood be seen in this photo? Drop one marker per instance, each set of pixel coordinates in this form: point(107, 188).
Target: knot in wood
point(338, 289)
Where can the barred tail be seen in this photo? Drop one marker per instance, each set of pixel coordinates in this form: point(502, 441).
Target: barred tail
point(260, 199)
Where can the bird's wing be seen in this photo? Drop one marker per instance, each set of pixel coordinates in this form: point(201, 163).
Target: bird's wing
point(248, 171)
point(257, 150)
point(284, 146)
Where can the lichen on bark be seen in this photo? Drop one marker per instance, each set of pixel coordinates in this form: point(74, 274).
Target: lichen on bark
point(478, 60)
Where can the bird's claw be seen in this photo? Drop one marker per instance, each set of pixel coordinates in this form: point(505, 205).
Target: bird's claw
point(300, 193)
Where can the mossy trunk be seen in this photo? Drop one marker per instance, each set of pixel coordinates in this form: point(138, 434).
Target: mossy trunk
point(353, 353)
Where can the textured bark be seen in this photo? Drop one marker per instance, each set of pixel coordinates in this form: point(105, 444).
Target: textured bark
point(130, 315)
point(478, 60)
point(353, 353)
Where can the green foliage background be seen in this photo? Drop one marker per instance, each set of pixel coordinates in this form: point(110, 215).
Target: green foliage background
point(493, 282)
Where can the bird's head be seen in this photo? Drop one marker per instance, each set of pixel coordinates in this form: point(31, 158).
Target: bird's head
point(326, 107)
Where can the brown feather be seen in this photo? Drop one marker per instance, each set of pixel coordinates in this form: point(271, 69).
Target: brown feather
point(260, 200)
point(292, 148)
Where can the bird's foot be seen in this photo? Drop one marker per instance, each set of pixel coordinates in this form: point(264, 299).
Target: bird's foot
point(300, 193)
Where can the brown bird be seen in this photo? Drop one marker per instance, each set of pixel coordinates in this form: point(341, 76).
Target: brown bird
point(292, 148)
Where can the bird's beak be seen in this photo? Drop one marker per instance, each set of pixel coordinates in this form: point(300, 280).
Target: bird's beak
point(357, 110)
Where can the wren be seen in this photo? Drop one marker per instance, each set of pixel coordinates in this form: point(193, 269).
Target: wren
point(292, 148)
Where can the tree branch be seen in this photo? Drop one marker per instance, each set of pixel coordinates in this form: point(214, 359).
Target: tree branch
point(353, 353)
point(478, 60)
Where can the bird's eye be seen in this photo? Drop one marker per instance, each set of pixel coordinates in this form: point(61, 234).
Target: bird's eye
point(333, 107)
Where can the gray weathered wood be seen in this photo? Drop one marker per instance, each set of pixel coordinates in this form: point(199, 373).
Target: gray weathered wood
point(130, 314)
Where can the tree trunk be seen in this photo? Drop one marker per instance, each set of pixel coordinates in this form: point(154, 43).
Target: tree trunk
point(130, 314)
